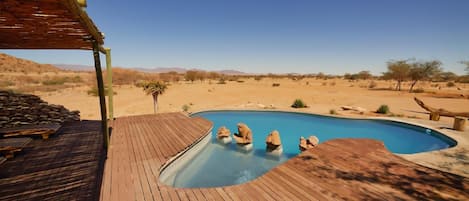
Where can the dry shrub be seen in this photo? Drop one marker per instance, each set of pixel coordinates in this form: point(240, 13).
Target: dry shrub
point(122, 76)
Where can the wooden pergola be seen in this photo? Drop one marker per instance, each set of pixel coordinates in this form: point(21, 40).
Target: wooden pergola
point(57, 24)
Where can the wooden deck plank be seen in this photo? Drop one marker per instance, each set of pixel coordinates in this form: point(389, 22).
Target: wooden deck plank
point(68, 165)
point(337, 169)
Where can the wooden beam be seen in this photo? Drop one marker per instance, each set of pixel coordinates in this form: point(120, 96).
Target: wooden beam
point(109, 83)
point(102, 99)
point(441, 111)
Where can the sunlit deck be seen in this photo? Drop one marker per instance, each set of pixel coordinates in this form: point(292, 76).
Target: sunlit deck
point(338, 169)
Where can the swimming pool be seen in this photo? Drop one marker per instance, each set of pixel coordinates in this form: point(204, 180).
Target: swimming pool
point(222, 165)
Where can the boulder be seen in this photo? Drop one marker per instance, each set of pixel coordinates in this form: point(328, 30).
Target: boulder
point(244, 135)
point(273, 143)
point(309, 143)
point(313, 140)
point(223, 132)
point(303, 144)
point(224, 135)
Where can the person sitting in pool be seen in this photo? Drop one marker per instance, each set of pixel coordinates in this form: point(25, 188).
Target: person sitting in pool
point(311, 142)
point(273, 141)
point(223, 132)
point(244, 135)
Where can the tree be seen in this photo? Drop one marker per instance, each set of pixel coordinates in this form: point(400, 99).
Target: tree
point(467, 65)
point(191, 75)
point(446, 76)
point(397, 70)
point(423, 70)
point(155, 89)
point(364, 75)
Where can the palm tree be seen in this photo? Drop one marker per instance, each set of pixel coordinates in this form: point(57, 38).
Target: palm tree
point(155, 89)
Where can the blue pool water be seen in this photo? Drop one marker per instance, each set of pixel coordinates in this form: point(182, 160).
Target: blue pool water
point(222, 165)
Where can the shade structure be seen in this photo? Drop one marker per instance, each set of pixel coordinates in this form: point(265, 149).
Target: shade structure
point(54, 24)
point(46, 24)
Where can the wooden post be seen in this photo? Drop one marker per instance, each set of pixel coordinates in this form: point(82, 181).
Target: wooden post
point(109, 84)
point(82, 3)
point(434, 116)
point(459, 123)
point(102, 99)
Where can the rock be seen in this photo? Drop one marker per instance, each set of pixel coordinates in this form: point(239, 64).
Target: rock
point(313, 140)
point(273, 142)
point(303, 144)
point(244, 135)
point(353, 108)
point(223, 132)
point(23, 109)
point(309, 143)
point(224, 135)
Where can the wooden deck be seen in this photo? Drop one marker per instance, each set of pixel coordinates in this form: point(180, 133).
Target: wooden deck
point(67, 166)
point(345, 169)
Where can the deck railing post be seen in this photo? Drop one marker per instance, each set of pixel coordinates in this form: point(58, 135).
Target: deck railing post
point(109, 84)
point(102, 99)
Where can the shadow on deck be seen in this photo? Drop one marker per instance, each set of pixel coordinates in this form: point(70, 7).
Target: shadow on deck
point(67, 166)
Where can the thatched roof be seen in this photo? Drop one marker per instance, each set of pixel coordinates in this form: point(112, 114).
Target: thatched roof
point(46, 24)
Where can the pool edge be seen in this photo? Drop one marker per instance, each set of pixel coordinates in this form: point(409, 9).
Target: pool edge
point(442, 132)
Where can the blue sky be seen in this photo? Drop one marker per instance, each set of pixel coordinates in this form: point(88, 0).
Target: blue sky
point(279, 36)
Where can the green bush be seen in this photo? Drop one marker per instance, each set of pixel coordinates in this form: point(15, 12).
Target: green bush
point(55, 81)
point(418, 90)
point(94, 91)
point(298, 103)
point(450, 84)
point(185, 108)
point(383, 109)
point(332, 111)
point(221, 81)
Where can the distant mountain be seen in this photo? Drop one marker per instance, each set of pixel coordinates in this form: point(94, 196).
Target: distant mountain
point(161, 70)
point(232, 72)
point(11, 64)
point(146, 70)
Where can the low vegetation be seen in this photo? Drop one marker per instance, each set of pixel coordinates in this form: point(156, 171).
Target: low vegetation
point(298, 103)
point(186, 108)
point(418, 90)
point(383, 109)
point(221, 81)
point(94, 91)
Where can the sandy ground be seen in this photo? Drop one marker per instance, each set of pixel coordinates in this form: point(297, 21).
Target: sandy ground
point(320, 95)
point(131, 100)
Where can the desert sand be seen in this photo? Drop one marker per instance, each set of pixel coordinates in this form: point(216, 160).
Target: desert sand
point(321, 96)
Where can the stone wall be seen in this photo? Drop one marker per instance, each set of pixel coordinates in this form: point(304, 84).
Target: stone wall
point(24, 109)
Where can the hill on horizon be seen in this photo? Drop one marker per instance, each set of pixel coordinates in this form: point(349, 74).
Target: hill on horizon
point(75, 67)
point(11, 64)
